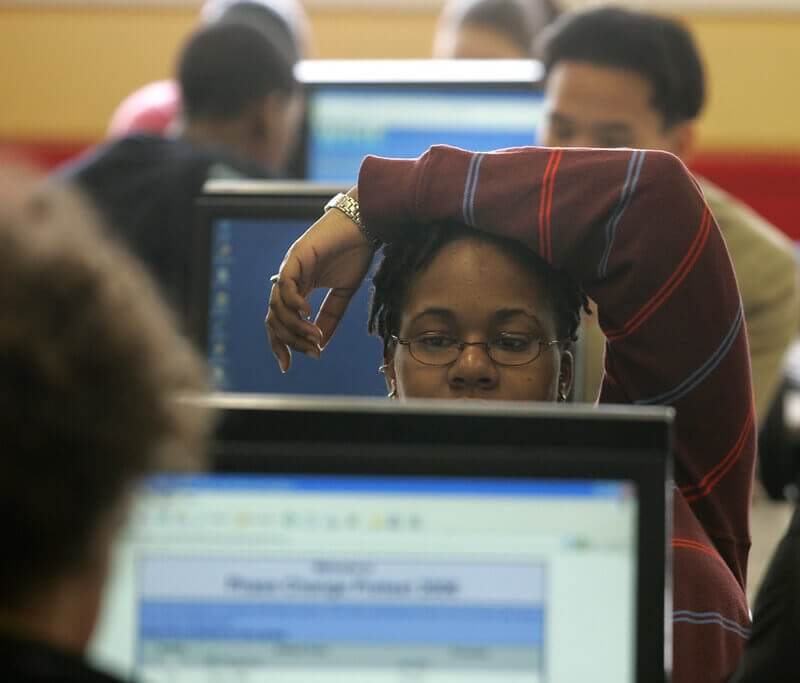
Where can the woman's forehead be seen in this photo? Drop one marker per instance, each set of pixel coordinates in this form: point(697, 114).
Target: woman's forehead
point(474, 279)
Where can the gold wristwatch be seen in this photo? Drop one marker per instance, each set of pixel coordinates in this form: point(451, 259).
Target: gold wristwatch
point(349, 207)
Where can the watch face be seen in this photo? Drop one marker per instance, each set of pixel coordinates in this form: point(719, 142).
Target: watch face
point(333, 202)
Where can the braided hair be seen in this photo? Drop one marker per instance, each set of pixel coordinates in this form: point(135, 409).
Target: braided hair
point(404, 258)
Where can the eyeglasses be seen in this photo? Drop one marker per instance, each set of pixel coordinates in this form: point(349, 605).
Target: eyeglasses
point(505, 349)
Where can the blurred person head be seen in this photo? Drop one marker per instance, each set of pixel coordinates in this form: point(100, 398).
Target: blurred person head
point(239, 92)
point(491, 29)
point(90, 365)
point(156, 107)
point(621, 78)
point(284, 22)
point(452, 284)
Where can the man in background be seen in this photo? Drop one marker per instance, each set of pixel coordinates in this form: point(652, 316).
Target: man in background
point(622, 78)
point(156, 107)
point(90, 364)
point(240, 118)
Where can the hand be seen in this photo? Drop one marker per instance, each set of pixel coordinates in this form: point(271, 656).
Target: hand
point(331, 253)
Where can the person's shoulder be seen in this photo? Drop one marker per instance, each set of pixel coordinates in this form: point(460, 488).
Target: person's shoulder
point(129, 153)
point(222, 163)
point(136, 144)
point(26, 661)
point(178, 157)
point(152, 107)
point(167, 152)
point(738, 221)
point(763, 256)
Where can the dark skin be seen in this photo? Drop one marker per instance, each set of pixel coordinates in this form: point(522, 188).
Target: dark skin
point(471, 287)
point(588, 105)
point(474, 291)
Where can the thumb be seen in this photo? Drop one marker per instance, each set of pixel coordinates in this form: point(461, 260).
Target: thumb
point(331, 312)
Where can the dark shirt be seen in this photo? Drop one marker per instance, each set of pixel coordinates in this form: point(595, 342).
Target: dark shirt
point(23, 661)
point(146, 186)
point(772, 653)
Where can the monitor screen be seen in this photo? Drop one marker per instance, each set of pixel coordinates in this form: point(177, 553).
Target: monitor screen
point(345, 123)
point(297, 577)
point(242, 244)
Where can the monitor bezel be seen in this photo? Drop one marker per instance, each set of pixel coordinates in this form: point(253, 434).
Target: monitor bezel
point(417, 74)
point(367, 437)
point(434, 73)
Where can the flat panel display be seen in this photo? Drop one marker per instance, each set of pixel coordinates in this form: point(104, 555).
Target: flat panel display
point(294, 577)
point(399, 108)
point(434, 541)
point(348, 122)
point(242, 240)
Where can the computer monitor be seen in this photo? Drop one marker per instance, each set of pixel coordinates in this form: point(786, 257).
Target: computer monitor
point(243, 230)
point(400, 108)
point(367, 542)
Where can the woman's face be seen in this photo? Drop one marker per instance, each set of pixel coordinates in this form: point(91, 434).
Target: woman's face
point(473, 291)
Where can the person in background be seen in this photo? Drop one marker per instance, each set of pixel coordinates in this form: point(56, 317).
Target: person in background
point(473, 312)
point(155, 108)
point(240, 117)
point(90, 365)
point(491, 29)
point(625, 78)
point(771, 653)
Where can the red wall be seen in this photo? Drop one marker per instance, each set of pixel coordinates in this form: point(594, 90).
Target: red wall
point(45, 156)
point(769, 182)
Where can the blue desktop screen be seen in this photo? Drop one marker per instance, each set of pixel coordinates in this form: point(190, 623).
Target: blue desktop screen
point(347, 123)
point(244, 253)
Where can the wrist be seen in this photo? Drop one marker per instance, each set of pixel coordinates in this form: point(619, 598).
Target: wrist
point(347, 204)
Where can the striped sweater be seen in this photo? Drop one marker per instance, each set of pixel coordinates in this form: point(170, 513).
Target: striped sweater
point(633, 228)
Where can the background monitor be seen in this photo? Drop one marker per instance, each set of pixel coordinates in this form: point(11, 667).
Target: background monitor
point(434, 542)
point(400, 108)
point(243, 231)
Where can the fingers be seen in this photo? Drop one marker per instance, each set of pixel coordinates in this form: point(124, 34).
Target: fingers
point(292, 341)
point(281, 352)
point(331, 312)
point(286, 329)
point(291, 296)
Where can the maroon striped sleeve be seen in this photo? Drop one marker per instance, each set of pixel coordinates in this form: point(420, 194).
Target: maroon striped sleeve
point(634, 229)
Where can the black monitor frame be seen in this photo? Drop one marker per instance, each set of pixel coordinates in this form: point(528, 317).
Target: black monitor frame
point(368, 437)
point(439, 75)
point(253, 199)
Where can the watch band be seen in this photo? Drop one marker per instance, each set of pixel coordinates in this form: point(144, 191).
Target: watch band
point(350, 208)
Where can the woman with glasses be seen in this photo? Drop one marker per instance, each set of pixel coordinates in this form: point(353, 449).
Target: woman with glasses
point(440, 289)
point(483, 309)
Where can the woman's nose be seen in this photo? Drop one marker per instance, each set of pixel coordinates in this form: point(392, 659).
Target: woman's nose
point(473, 369)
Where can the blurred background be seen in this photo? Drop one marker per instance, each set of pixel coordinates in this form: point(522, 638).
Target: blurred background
point(66, 65)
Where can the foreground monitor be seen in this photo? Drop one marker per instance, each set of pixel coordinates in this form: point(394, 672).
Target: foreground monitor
point(242, 233)
point(400, 108)
point(434, 542)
